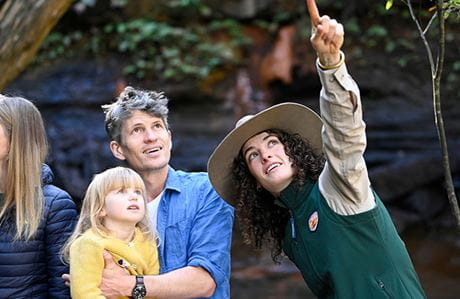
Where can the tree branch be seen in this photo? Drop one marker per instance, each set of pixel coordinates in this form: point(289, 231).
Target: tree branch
point(433, 17)
point(422, 35)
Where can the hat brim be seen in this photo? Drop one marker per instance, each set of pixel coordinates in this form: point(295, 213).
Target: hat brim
point(290, 117)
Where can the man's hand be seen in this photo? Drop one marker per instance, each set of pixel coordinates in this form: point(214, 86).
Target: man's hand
point(66, 278)
point(116, 281)
point(327, 36)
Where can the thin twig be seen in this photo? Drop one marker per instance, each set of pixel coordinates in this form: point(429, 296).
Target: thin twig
point(422, 35)
point(429, 23)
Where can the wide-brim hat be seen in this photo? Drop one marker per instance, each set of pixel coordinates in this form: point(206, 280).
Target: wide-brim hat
point(290, 117)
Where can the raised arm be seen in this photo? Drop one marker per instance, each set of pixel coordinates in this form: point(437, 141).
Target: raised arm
point(344, 181)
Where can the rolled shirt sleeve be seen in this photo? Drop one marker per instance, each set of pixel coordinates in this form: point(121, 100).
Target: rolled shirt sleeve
point(344, 182)
point(195, 228)
point(210, 238)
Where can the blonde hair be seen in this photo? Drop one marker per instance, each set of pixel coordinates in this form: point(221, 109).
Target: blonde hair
point(28, 148)
point(94, 201)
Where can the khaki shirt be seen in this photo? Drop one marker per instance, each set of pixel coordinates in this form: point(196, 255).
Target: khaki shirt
point(344, 181)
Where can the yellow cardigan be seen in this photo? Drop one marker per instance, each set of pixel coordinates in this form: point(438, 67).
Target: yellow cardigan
point(87, 262)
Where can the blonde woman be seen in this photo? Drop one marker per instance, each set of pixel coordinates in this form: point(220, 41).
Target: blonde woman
point(112, 221)
point(36, 218)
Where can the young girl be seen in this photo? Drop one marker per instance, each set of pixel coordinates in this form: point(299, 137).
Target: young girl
point(113, 218)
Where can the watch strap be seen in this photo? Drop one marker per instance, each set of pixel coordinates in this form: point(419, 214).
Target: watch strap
point(139, 290)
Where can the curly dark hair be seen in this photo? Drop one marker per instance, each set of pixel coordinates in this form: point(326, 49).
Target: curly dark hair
point(262, 221)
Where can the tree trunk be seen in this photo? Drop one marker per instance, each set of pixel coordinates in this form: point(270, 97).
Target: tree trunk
point(24, 24)
point(436, 72)
point(436, 81)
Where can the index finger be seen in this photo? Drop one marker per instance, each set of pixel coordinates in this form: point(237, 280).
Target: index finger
point(313, 12)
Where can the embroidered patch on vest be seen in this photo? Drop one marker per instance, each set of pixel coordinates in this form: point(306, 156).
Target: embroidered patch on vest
point(313, 221)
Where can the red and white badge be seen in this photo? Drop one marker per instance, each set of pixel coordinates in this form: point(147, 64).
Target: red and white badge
point(313, 221)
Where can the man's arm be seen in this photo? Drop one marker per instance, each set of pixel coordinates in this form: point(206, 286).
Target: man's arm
point(187, 282)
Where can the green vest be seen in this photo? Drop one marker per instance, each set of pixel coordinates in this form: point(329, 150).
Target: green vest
point(356, 256)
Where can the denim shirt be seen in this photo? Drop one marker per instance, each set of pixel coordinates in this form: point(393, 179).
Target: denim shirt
point(195, 228)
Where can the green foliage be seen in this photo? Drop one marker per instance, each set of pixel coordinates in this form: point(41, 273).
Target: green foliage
point(389, 4)
point(57, 45)
point(456, 66)
point(82, 5)
point(186, 39)
point(275, 22)
point(452, 7)
point(170, 52)
point(231, 27)
point(87, 2)
point(352, 26)
point(188, 5)
point(157, 49)
point(404, 45)
point(377, 31)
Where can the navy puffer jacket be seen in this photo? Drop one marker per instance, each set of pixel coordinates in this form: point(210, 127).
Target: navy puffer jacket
point(33, 269)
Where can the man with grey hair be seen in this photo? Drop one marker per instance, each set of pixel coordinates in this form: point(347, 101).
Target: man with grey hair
point(194, 224)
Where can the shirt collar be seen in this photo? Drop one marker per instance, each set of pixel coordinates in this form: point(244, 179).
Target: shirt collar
point(172, 181)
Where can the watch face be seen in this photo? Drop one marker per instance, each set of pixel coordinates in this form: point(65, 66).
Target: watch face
point(139, 292)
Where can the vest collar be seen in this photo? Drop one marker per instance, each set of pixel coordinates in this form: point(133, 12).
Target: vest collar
point(293, 195)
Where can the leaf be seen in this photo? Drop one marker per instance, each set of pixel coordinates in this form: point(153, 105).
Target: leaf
point(377, 30)
point(456, 66)
point(389, 4)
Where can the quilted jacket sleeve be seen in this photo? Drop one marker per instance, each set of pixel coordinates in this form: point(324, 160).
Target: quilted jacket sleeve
point(60, 222)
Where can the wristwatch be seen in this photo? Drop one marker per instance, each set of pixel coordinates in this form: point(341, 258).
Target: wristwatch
point(139, 290)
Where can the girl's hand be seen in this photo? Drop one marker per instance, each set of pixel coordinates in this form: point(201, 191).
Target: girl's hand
point(327, 36)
